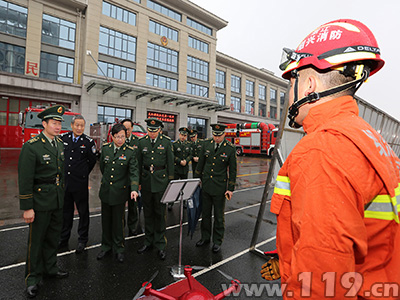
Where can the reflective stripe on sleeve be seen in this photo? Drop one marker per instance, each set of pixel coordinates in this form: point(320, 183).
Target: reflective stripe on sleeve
point(384, 207)
point(282, 186)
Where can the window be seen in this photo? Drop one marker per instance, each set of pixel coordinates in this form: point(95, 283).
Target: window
point(262, 92)
point(220, 79)
point(12, 58)
point(164, 10)
point(119, 13)
point(235, 83)
point(196, 25)
point(262, 110)
point(163, 30)
point(249, 88)
point(273, 112)
point(221, 98)
point(282, 96)
point(280, 113)
point(56, 67)
point(13, 18)
point(162, 81)
point(58, 32)
point(116, 71)
point(272, 96)
point(197, 90)
point(249, 109)
point(107, 114)
point(197, 68)
point(117, 44)
point(162, 58)
point(235, 104)
point(197, 44)
point(198, 124)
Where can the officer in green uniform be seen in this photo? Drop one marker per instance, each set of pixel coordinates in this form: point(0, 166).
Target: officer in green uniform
point(133, 210)
point(156, 164)
point(120, 183)
point(217, 160)
point(41, 195)
point(197, 145)
point(183, 154)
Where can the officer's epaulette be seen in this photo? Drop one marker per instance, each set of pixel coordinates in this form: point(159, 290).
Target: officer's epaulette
point(59, 139)
point(209, 139)
point(165, 136)
point(144, 137)
point(106, 144)
point(175, 141)
point(33, 140)
point(65, 133)
point(229, 144)
point(130, 147)
point(88, 137)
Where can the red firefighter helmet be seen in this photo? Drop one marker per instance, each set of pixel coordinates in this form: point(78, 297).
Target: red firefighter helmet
point(334, 44)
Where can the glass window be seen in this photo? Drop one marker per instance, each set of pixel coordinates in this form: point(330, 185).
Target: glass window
point(249, 88)
point(197, 90)
point(272, 96)
point(249, 109)
point(282, 96)
point(12, 58)
point(164, 10)
point(198, 124)
point(273, 112)
point(116, 71)
point(262, 92)
point(235, 104)
point(197, 68)
point(163, 30)
point(13, 18)
point(197, 44)
point(262, 110)
point(221, 98)
point(220, 79)
point(107, 114)
point(119, 13)
point(162, 81)
point(58, 32)
point(196, 25)
point(235, 83)
point(162, 58)
point(117, 44)
point(56, 67)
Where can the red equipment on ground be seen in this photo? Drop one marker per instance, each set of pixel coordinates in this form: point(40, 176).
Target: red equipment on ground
point(187, 289)
point(252, 138)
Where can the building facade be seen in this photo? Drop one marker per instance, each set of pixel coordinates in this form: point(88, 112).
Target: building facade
point(127, 59)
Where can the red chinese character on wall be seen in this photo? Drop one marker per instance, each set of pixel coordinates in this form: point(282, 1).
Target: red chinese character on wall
point(32, 67)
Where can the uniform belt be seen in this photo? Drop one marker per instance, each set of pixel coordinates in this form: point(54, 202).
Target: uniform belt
point(54, 180)
point(153, 168)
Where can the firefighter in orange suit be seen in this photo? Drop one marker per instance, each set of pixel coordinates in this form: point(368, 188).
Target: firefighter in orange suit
point(337, 195)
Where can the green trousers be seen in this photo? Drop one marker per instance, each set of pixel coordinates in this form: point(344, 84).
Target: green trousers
point(133, 215)
point(154, 219)
point(208, 202)
point(44, 235)
point(113, 223)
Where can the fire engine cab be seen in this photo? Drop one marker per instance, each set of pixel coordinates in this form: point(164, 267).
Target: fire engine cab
point(252, 138)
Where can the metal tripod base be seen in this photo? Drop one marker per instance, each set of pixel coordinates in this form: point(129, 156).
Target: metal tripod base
point(177, 272)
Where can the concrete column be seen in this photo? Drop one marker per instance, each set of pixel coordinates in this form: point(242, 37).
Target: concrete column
point(33, 39)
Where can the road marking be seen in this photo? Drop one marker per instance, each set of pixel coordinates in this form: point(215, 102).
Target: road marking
point(168, 228)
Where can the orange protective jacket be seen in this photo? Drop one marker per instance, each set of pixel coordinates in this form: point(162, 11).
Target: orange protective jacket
point(337, 199)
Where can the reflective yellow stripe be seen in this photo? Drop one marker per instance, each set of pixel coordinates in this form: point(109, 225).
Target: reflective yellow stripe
point(384, 207)
point(282, 186)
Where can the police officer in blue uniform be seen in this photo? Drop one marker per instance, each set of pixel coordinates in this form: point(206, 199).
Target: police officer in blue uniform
point(80, 158)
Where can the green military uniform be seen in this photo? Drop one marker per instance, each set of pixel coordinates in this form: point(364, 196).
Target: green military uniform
point(133, 214)
point(213, 168)
point(120, 178)
point(182, 151)
point(41, 188)
point(156, 163)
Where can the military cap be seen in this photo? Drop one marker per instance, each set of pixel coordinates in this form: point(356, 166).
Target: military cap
point(218, 129)
point(153, 124)
point(183, 130)
point(55, 112)
point(193, 132)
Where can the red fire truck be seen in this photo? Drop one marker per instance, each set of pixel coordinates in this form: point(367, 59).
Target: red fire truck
point(252, 138)
point(31, 125)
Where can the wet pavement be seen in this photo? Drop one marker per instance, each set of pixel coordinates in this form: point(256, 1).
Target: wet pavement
point(108, 279)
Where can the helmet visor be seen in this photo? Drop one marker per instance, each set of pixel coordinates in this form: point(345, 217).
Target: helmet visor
point(289, 56)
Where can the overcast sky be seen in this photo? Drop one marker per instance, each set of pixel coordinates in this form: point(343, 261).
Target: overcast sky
point(259, 29)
